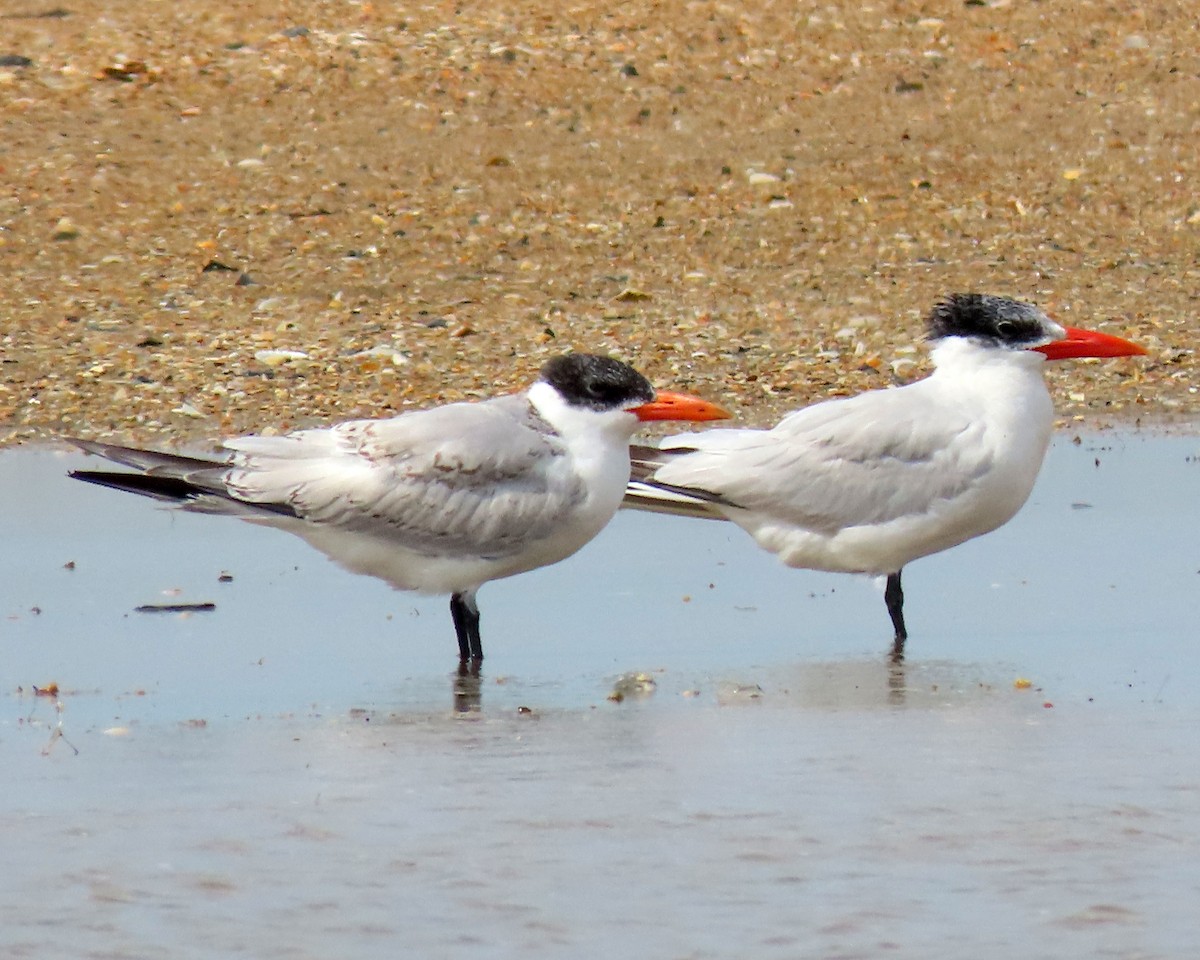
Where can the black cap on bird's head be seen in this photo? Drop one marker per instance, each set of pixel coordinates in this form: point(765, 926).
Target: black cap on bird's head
point(590, 382)
point(595, 382)
point(992, 320)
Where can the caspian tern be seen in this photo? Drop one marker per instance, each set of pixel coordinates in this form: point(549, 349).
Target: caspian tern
point(867, 484)
point(440, 500)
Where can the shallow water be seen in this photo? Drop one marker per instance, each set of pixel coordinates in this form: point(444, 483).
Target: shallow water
point(288, 776)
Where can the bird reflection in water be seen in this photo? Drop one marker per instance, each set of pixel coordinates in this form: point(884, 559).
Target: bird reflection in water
point(467, 688)
point(897, 680)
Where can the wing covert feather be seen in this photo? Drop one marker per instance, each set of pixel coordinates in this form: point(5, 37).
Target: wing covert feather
point(468, 477)
point(838, 464)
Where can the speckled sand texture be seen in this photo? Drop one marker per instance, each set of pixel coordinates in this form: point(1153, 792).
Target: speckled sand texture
point(419, 203)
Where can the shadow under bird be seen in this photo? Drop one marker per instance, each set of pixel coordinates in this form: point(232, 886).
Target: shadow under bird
point(440, 500)
point(868, 483)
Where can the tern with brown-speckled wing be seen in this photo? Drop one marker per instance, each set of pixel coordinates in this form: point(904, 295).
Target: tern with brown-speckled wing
point(440, 500)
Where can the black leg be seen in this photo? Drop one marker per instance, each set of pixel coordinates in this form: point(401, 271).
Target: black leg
point(894, 596)
point(466, 626)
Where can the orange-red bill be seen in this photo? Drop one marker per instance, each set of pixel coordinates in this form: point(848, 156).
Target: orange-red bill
point(1089, 343)
point(680, 406)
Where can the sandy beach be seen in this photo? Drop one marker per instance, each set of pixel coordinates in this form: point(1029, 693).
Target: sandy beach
point(255, 216)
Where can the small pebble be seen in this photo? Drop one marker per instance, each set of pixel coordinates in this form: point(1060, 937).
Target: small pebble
point(632, 685)
point(65, 229)
point(274, 358)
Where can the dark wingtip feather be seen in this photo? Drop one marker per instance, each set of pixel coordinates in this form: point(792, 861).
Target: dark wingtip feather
point(171, 489)
point(139, 459)
point(177, 490)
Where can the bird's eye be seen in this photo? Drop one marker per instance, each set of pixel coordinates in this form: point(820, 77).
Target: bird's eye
point(1006, 328)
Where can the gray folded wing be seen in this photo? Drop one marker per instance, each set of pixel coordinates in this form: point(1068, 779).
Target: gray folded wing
point(481, 478)
point(865, 460)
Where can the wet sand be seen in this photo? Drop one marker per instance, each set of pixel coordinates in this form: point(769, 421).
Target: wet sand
point(297, 775)
point(422, 203)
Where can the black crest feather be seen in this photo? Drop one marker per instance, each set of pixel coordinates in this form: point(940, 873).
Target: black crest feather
point(982, 316)
point(595, 382)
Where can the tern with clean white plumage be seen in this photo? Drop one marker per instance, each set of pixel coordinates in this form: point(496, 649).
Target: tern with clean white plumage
point(440, 500)
point(869, 483)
